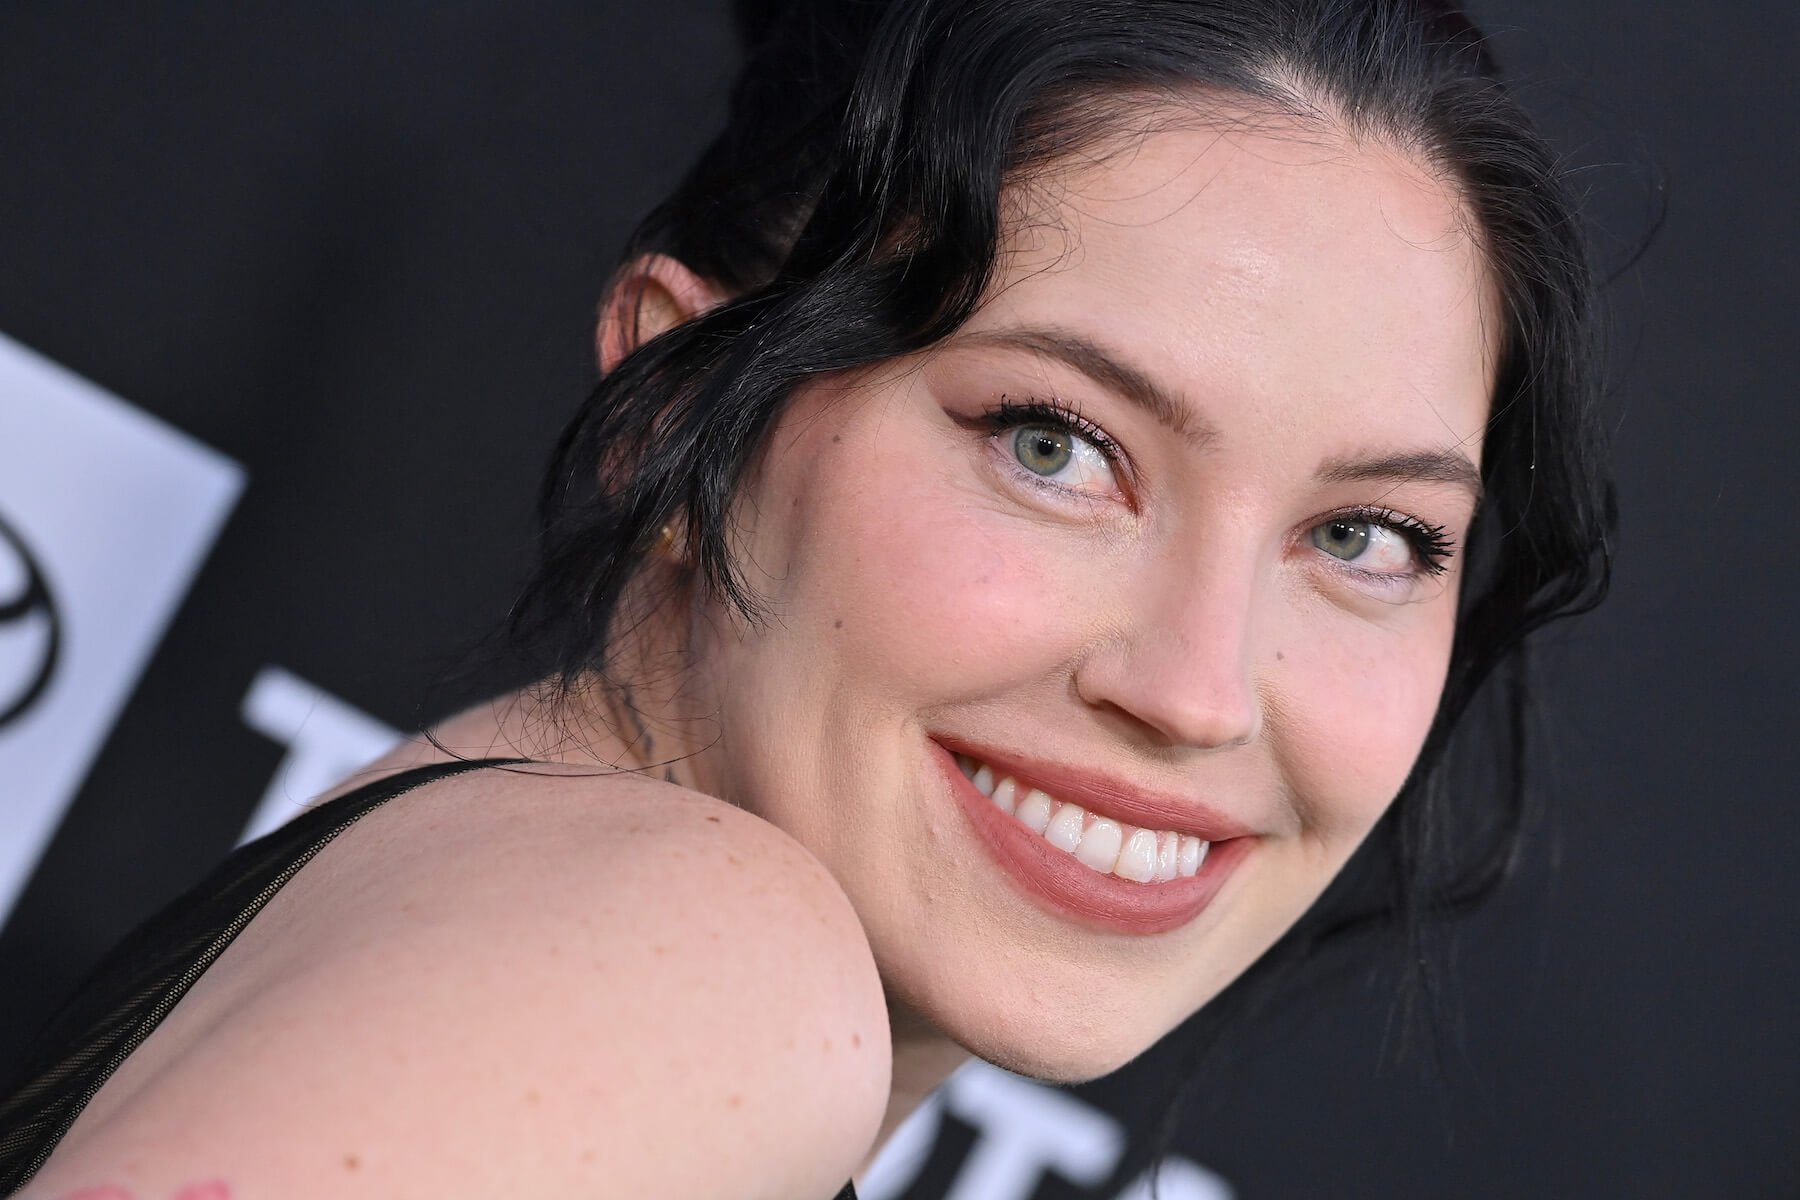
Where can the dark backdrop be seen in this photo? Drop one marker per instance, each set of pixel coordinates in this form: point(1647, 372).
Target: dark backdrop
point(354, 249)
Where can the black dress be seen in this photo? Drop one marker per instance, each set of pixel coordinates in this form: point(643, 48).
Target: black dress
point(141, 979)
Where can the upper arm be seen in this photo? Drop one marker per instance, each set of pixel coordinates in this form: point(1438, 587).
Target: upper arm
point(640, 992)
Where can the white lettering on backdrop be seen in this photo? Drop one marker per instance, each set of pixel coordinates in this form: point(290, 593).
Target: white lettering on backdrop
point(1024, 1130)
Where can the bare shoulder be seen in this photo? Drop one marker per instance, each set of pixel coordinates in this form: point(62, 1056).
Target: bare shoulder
point(523, 982)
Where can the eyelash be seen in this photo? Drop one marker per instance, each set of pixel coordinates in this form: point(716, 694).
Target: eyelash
point(1430, 545)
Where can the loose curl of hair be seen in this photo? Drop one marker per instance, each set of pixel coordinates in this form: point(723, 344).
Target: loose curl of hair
point(852, 211)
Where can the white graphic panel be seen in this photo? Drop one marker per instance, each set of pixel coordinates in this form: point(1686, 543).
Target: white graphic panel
point(105, 516)
point(326, 738)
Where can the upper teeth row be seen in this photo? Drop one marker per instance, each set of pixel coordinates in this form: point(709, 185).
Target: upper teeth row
point(1110, 847)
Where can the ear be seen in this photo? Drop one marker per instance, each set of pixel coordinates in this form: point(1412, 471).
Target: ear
point(651, 294)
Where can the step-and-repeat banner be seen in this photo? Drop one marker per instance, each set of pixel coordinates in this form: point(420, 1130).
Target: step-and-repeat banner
point(294, 299)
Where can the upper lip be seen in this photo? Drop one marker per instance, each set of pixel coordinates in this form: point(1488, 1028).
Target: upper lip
point(1107, 795)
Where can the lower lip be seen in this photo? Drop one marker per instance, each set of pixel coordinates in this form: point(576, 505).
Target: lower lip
point(1065, 887)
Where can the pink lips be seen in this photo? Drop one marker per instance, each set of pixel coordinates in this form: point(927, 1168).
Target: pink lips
point(1067, 888)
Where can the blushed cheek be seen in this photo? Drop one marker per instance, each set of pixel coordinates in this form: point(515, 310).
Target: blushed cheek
point(919, 582)
point(1357, 728)
point(943, 609)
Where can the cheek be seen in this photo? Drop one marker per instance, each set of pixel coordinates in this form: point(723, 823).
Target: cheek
point(1354, 717)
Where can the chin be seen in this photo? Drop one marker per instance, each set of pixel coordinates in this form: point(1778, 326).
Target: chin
point(1060, 1044)
point(1077, 1066)
point(1080, 1058)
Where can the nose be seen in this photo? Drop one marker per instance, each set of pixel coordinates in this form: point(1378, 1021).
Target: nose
point(1182, 667)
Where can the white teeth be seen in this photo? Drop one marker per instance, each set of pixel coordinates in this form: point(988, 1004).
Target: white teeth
point(1137, 860)
point(1099, 847)
point(1034, 811)
point(1105, 845)
point(1168, 847)
point(1065, 827)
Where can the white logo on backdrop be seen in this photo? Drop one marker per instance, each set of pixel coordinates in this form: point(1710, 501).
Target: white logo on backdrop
point(30, 627)
point(1024, 1130)
point(109, 514)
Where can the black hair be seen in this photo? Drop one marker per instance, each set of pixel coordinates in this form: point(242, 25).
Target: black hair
point(851, 210)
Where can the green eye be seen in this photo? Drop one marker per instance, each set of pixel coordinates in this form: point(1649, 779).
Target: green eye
point(1051, 448)
point(1042, 450)
point(1342, 539)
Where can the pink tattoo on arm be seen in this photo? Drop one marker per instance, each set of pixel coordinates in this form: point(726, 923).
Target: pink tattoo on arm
point(210, 1189)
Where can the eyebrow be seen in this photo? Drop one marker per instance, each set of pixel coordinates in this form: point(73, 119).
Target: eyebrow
point(1430, 466)
point(1104, 368)
point(1112, 372)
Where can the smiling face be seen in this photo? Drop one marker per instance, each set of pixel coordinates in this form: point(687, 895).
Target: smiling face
point(1166, 534)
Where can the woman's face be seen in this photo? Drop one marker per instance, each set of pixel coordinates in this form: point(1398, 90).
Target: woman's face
point(1166, 534)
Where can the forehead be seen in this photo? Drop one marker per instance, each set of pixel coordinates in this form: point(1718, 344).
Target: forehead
point(1278, 269)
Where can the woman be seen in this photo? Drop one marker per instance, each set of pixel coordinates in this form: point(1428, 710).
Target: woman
point(1060, 474)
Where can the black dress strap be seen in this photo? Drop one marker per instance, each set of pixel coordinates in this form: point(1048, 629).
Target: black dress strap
point(144, 976)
